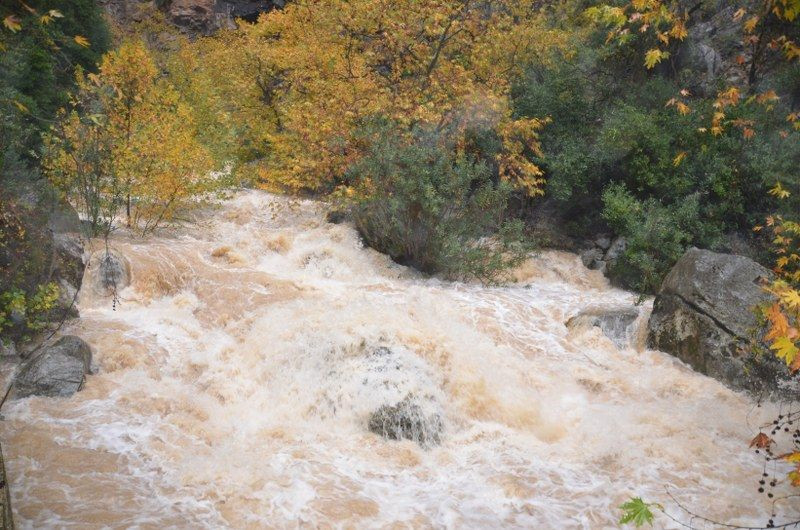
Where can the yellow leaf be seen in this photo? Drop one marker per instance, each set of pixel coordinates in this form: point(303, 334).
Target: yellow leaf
point(785, 349)
point(791, 298)
point(679, 158)
point(82, 41)
point(654, 56)
point(12, 23)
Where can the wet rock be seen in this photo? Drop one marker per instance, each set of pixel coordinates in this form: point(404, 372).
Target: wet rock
point(336, 216)
point(614, 323)
point(67, 272)
point(603, 243)
point(389, 390)
point(591, 257)
point(56, 371)
point(406, 420)
point(704, 314)
point(616, 249)
point(110, 272)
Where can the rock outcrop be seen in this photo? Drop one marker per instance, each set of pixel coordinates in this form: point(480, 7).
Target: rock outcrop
point(603, 253)
point(704, 314)
point(708, 55)
point(207, 16)
point(56, 371)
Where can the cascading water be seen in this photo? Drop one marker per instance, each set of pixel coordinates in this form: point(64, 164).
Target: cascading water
point(244, 373)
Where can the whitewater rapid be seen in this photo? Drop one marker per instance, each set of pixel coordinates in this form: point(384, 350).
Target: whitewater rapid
point(235, 380)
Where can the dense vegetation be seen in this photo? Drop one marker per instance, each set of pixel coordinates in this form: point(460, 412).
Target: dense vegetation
point(41, 45)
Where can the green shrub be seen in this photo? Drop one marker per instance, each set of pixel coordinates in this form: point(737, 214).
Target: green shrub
point(31, 310)
point(437, 211)
point(657, 235)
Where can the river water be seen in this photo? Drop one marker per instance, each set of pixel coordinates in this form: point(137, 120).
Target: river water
point(236, 376)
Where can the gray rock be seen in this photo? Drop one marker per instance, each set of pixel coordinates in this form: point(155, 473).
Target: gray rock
point(600, 265)
point(67, 271)
point(603, 243)
point(63, 217)
point(68, 262)
point(708, 54)
point(7, 348)
point(616, 249)
point(406, 420)
point(57, 370)
point(704, 314)
point(591, 257)
point(615, 323)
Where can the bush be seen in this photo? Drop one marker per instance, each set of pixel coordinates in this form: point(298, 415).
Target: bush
point(657, 235)
point(426, 206)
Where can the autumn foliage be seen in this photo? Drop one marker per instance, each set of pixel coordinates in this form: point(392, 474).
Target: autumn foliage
point(314, 72)
point(128, 148)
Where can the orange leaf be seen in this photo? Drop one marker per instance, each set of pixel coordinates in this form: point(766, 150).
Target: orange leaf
point(795, 366)
point(761, 441)
point(779, 323)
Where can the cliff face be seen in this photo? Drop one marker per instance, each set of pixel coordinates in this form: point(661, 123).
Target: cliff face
point(197, 17)
point(206, 16)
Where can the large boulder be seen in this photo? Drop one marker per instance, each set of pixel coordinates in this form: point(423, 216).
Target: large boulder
point(704, 314)
point(58, 370)
point(67, 270)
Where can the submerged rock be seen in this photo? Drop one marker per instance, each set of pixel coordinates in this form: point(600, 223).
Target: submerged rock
point(110, 272)
point(705, 315)
point(58, 370)
point(615, 323)
point(391, 391)
point(407, 421)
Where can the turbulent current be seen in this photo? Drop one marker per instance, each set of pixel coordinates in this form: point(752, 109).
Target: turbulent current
point(237, 375)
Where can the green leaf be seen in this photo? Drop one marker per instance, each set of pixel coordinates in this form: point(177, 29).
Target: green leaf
point(636, 511)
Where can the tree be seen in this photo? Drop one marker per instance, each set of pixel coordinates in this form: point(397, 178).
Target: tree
point(317, 71)
point(40, 45)
point(129, 141)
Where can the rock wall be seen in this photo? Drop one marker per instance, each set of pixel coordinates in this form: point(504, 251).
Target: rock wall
point(195, 17)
